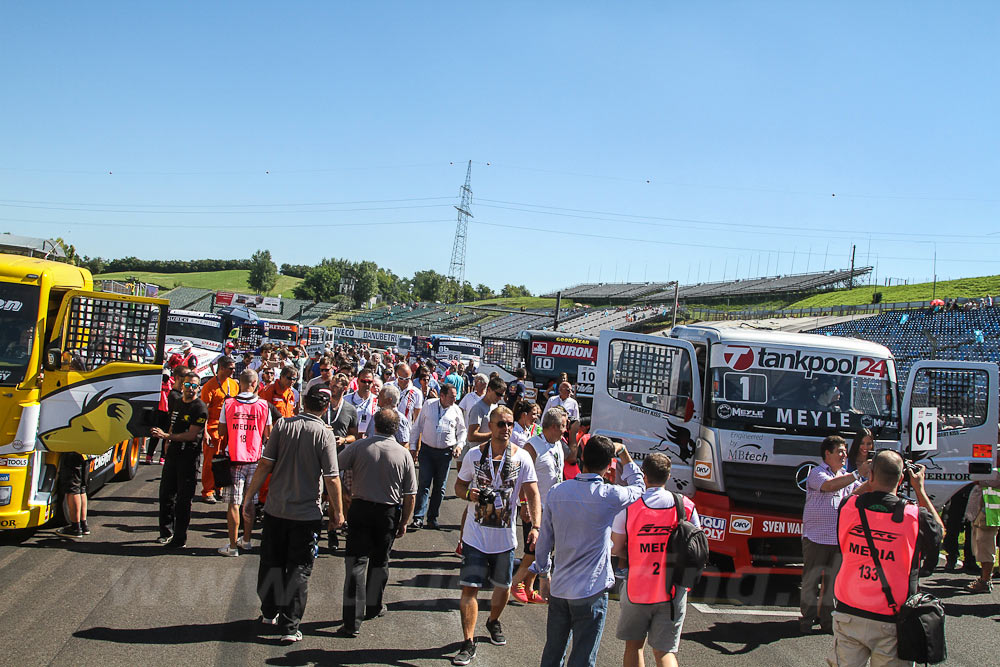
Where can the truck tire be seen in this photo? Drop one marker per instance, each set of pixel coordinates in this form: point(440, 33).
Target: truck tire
point(131, 464)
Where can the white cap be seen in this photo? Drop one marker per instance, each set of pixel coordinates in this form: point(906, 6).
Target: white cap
point(186, 345)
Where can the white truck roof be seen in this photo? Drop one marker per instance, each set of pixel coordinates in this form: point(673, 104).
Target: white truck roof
point(738, 335)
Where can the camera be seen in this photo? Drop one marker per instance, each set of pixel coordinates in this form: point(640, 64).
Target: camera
point(910, 468)
point(487, 496)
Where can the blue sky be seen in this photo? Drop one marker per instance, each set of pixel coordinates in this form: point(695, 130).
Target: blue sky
point(647, 141)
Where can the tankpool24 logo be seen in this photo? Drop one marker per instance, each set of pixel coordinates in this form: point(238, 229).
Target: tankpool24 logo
point(738, 357)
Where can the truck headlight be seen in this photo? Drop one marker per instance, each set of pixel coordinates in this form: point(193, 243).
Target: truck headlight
point(5, 492)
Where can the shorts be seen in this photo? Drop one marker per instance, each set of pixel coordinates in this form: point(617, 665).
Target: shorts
point(525, 529)
point(346, 477)
point(652, 622)
point(242, 474)
point(73, 474)
point(984, 540)
point(478, 567)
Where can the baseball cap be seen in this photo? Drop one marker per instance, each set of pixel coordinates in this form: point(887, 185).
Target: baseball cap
point(186, 345)
point(319, 394)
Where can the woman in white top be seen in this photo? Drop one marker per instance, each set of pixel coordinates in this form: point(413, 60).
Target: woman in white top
point(524, 422)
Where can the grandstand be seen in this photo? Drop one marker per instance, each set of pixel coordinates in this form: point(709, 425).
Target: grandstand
point(304, 311)
point(961, 335)
point(794, 284)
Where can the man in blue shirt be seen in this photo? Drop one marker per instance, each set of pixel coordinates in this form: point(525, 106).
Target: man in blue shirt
point(576, 524)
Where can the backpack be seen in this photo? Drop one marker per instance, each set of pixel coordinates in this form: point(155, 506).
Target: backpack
point(687, 550)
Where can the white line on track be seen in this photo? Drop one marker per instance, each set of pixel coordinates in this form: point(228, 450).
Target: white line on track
point(706, 609)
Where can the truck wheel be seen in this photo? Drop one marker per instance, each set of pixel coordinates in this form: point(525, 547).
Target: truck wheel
point(131, 464)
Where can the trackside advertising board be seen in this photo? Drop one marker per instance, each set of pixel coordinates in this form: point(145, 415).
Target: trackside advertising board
point(265, 304)
point(378, 337)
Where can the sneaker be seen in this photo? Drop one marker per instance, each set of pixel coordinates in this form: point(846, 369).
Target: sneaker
point(379, 614)
point(84, 528)
point(465, 654)
point(164, 540)
point(228, 551)
point(520, 594)
point(433, 524)
point(806, 626)
point(175, 545)
point(951, 564)
point(245, 546)
point(417, 524)
point(162, 460)
point(496, 633)
point(291, 638)
point(70, 531)
point(980, 586)
point(536, 598)
point(210, 500)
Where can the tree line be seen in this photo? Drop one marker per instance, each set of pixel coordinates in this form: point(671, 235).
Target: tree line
point(340, 281)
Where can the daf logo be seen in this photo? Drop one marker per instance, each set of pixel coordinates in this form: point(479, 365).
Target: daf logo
point(802, 474)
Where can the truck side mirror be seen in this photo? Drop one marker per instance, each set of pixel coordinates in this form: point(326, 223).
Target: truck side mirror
point(52, 358)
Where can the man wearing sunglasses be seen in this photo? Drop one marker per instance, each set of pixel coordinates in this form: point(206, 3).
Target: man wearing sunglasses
point(492, 478)
point(182, 445)
point(325, 370)
point(363, 399)
point(280, 393)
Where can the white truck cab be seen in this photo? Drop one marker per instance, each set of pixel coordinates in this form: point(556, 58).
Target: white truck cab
point(741, 414)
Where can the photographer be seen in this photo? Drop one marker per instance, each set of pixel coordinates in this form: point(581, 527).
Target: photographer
point(864, 623)
point(492, 478)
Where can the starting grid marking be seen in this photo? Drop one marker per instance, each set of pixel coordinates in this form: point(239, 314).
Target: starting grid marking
point(707, 609)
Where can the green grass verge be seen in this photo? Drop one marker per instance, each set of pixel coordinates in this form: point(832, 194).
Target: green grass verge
point(234, 280)
point(519, 302)
point(963, 287)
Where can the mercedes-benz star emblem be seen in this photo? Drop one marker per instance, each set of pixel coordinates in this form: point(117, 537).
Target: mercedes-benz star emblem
point(802, 474)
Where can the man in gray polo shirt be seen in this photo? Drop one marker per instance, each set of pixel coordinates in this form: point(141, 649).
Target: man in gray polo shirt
point(384, 488)
point(300, 453)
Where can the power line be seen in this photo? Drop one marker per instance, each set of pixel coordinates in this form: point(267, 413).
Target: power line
point(283, 225)
point(218, 212)
point(328, 203)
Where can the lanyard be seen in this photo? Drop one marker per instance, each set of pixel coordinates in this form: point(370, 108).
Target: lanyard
point(336, 416)
point(496, 472)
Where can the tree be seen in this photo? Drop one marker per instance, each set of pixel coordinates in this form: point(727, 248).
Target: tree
point(322, 283)
point(295, 270)
point(514, 291)
point(263, 272)
point(365, 282)
point(484, 292)
point(429, 285)
point(468, 292)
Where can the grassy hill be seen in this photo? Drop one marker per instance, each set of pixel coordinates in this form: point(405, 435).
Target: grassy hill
point(233, 281)
point(963, 287)
point(519, 302)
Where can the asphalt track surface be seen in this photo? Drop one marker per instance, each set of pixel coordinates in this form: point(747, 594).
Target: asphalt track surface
point(116, 598)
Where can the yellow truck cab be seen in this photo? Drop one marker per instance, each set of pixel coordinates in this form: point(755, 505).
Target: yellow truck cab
point(80, 371)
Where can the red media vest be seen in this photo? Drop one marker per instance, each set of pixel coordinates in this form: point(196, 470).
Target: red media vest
point(648, 531)
point(858, 587)
point(245, 424)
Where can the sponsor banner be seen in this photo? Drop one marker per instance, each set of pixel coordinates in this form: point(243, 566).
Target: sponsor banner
point(714, 527)
point(703, 469)
point(265, 304)
point(782, 527)
point(810, 362)
point(4, 477)
point(364, 334)
point(749, 452)
point(14, 463)
point(808, 418)
point(11, 305)
point(578, 349)
point(740, 524)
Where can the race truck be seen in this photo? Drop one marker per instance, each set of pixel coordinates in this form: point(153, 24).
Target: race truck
point(207, 333)
point(80, 372)
point(281, 332)
point(741, 414)
point(544, 355)
point(445, 349)
point(313, 339)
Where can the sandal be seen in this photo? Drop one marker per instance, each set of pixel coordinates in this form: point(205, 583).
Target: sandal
point(980, 586)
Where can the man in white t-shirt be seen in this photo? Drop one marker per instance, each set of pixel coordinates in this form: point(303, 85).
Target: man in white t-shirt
point(492, 478)
point(472, 396)
point(566, 401)
point(411, 399)
point(546, 451)
point(363, 400)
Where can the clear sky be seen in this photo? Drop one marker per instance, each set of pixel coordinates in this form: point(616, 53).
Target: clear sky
point(637, 140)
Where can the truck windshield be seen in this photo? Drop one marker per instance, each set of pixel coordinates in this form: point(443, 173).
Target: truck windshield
point(205, 330)
point(282, 333)
point(807, 403)
point(18, 315)
point(463, 348)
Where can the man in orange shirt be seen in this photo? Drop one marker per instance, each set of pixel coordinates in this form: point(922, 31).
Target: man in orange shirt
point(280, 393)
point(214, 394)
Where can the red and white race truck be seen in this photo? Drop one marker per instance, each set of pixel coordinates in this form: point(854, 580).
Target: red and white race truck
point(741, 413)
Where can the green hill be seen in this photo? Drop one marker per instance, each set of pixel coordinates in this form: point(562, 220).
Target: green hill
point(518, 302)
point(233, 281)
point(963, 287)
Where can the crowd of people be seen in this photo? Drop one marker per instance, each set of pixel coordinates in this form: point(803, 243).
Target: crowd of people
point(360, 445)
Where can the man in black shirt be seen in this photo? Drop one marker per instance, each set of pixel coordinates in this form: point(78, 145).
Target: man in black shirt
point(180, 470)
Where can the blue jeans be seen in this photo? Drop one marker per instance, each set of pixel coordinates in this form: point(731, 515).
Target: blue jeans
point(435, 464)
point(583, 618)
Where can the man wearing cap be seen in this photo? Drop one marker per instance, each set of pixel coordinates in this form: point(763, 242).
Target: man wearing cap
point(300, 452)
point(188, 357)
